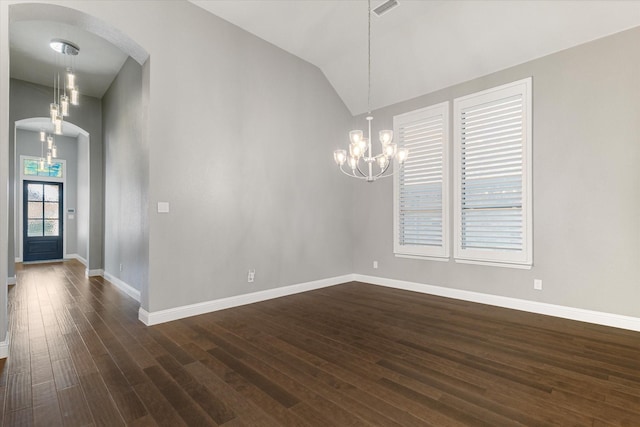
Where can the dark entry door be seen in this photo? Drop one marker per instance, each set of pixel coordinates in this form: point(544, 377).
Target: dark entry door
point(42, 221)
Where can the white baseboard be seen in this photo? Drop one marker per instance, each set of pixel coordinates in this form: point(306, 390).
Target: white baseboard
point(11, 280)
point(18, 259)
point(161, 316)
point(589, 316)
point(76, 256)
point(123, 286)
point(4, 349)
point(93, 273)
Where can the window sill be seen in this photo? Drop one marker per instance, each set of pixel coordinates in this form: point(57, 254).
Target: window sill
point(423, 257)
point(495, 264)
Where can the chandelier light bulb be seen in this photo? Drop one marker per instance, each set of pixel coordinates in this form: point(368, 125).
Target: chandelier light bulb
point(48, 158)
point(43, 135)
point(390, 150)
point(383, 162)
point(363, 145)
point(340, 156)
point(71, 79)
point(355, 150)
point(53, 111)
point(75, 96)
point(64, 105)
point(57, 125)
point(355, 136)
point(403, 154)
point(353, 163)
point(41, 165)
point(386, 136)
point(49, 142)
point(54, 151)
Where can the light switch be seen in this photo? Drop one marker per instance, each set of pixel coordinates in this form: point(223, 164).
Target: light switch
point(163, 207)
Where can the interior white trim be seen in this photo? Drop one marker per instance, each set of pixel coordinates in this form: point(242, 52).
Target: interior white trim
point(161, 316)
point(123, 286)
point(589, 316)
point(11, 280)
point(77, 257)
point(94, 272)
point(4, 349)
point(494, 264)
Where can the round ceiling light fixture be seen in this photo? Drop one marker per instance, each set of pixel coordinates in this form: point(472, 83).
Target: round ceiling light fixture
point(64, 47)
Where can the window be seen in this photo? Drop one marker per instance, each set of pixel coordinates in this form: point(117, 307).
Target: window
point(421, 187)
point(492, 152)
point(31, 167)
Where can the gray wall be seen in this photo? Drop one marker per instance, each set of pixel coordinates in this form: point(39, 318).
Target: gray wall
point(126, 179)
point(6, 245)
point(29, 100)
point(241, 141)
point(28, 144)
point(240, 137)
point(83, 202)
point(586, 199)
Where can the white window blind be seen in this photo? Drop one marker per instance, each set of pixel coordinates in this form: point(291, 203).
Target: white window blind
point(492, 149)
point(421, 186)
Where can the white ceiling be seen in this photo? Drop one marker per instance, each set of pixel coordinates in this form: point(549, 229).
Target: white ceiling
point(34, 61)
point(417, 48)
point(422, 45)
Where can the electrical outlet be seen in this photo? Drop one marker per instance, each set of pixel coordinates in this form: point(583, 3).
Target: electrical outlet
point(375, 264)
point(537, 284)
point(120, 266)
point(251, 276)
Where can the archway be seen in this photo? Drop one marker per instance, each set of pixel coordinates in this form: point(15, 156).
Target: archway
point(12, 12)
point(76, 221)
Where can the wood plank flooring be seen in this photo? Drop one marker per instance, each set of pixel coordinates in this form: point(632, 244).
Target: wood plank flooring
point(349, 355)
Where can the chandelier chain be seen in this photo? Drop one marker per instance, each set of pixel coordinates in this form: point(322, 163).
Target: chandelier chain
point(369, 59)
point(360, 151)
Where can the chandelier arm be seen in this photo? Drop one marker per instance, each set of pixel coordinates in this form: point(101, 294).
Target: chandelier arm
point(386, 168)
point(382, 175)
point(386, 176)
point(352, 175)
point(364, 175)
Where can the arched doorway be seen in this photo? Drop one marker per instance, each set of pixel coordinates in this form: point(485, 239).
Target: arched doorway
point(73, 175)
point(10, 14)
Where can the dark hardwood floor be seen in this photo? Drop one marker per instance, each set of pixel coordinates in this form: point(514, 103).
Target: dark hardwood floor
point(349, 355)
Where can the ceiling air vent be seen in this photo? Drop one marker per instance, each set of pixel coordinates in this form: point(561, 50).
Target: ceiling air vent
point(385, 7)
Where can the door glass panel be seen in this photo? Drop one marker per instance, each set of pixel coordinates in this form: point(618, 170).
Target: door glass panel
point(50, 210)
point(34, 228)
point(35, 210)
point(51, 227)
point(35, 192)
point(51, 193)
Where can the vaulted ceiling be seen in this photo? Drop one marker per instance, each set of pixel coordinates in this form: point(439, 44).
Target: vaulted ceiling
point(421, 45)
point(417, 48)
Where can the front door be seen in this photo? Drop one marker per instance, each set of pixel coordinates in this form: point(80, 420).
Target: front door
point(42, 221)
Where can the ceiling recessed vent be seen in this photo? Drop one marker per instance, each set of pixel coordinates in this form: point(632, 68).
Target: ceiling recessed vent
point(385, 7)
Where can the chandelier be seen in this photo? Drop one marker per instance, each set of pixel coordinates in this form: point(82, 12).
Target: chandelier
point(63, 96)
point(360, 159)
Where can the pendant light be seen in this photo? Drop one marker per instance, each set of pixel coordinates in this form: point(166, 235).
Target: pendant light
point(360, 158)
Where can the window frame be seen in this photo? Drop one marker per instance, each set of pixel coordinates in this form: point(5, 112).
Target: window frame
point(428, 252)
point(495, 257)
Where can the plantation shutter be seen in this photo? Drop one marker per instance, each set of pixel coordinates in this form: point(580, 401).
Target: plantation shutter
point(492, 137)
point(421, 199)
